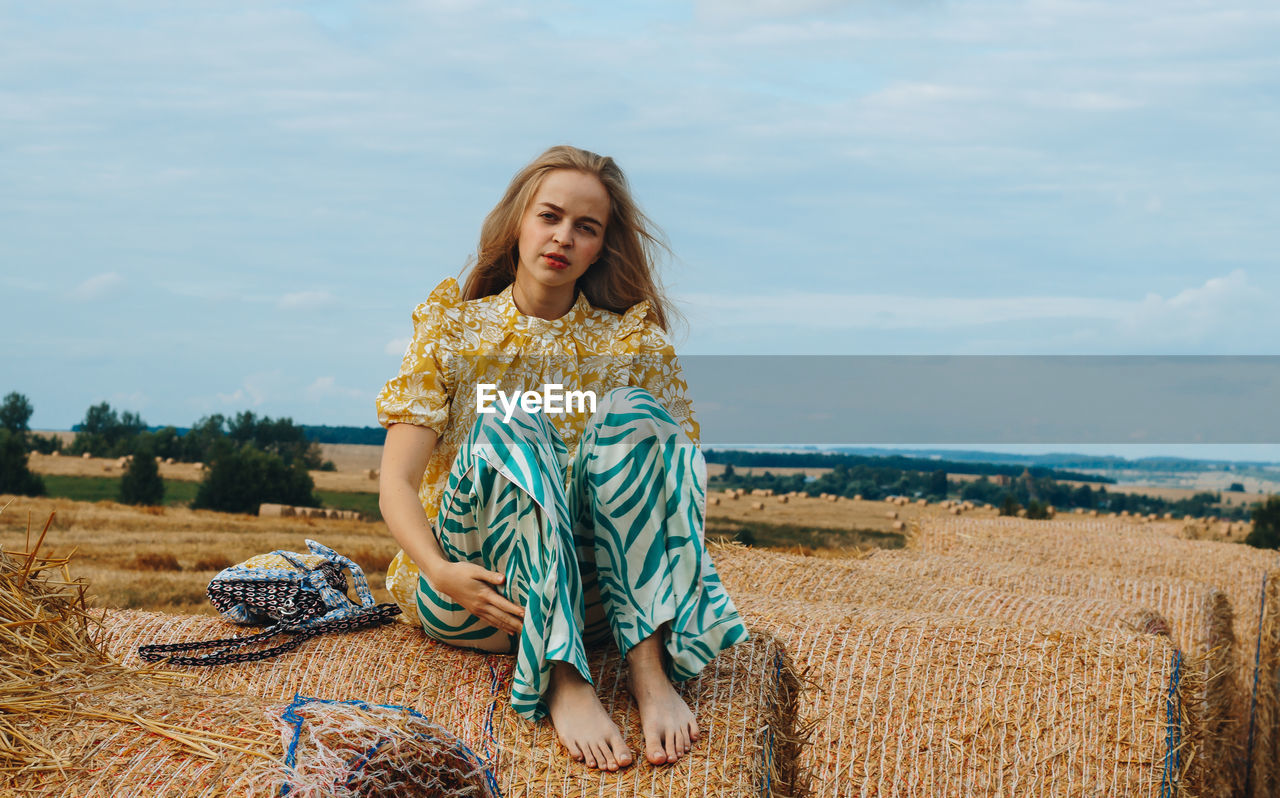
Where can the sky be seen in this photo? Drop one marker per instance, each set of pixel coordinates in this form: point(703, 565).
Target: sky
point(210, 207)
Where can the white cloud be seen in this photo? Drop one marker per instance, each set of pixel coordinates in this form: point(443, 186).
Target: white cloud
point(328, 388)
point(98, 286)
point(397, 346)
point(307, 300)
point(1226, 309)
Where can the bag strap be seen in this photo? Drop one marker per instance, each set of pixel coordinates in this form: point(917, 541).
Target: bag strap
point(228, 654)
point(357, 574)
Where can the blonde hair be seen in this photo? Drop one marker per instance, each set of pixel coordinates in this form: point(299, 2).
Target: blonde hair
point(624, 274)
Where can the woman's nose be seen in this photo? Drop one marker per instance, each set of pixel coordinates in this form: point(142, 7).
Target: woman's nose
point(564, 236)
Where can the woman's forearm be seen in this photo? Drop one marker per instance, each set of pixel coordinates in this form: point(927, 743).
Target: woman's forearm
point(404, 460)
point(402, 511)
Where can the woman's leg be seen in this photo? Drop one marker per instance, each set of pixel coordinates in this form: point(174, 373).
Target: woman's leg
point(639, 485)
point(504, 509)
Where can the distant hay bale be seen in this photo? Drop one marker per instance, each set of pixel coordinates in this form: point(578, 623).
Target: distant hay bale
point(757, 505)
point(85, 456)
point(915, 705)
point(198, 466)
point(899, 526)
point(1250, 578)
point(269, 510)
point(715, 500)
point(783, 499)
point(168, 461)
point(891, 514)
point(857, 497)
point(745, 702)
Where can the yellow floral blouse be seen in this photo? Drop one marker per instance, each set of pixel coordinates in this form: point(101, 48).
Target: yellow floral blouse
point(458, 344)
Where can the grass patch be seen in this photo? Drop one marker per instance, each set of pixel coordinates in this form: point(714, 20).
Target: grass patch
point(97, 489)
point(363, 503)
point(763, 534)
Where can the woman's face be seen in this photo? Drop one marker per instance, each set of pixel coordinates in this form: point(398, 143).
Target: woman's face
point(562, 232)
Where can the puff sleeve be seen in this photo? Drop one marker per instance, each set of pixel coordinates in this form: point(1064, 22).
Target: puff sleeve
point(655, 367)
point(420, 394)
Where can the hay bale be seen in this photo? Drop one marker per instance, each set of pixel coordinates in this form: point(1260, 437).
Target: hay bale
point(892, 514)
point(914, 705)
point(1196, 616)
point(715, 501)
point(782, 499)
point(268, 510)
point(1250, 578)
point(745, 703)
point(857, 497)
point(85, 456)
point(757, 505)
point(899, 526)
point(71, 718)
point(1200, 620)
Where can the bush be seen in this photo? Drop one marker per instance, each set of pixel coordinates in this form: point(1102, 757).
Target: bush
point(1037, 511)
point(241, 479)
point(1266, 525)
point(156, 561)
point(44, 444)
point(141, 483)
point(1010, 505)
point(15, 477)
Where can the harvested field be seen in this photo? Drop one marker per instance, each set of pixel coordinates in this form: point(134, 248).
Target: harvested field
point(745, 703)
point(1247, 576)
point(114, 543)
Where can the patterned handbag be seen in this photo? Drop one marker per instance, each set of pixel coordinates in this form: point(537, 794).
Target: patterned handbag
point(299, 595)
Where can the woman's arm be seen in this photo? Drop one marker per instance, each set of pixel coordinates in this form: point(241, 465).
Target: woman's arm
point(404, 460)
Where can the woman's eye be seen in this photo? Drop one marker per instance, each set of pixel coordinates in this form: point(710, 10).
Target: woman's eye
point(548, 215)
point(588, 229)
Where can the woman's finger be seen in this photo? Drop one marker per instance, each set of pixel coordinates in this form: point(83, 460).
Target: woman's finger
point(500, 601)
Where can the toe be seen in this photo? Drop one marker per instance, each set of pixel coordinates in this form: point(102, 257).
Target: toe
point(672, 753)
point(621, 752)
point(575, 753)
point(695, 733)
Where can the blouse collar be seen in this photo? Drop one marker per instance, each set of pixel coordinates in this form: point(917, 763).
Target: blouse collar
point(535, 325)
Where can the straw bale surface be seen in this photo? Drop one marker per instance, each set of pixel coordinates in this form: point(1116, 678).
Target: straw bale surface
point(75, 723)
point(911, 704)
point(1250, 578)
point(859, 583)
point(745, 703)
point(1200, 617)
point(868, 582)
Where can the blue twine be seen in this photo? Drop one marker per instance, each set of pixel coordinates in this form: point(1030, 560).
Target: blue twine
point(768, 736)
point(1173, 732)
point(490, 741)
point(1253, 699)
point(292, 718)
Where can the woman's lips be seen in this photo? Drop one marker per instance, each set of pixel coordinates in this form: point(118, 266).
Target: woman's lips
point(556, 261)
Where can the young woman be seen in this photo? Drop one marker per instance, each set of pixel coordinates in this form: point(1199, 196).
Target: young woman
point(558, 525)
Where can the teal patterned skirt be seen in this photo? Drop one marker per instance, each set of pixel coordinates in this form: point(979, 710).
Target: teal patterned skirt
point(608, 546)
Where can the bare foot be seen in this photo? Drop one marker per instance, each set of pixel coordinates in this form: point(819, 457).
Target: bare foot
point(584, 727)
point(669, 726)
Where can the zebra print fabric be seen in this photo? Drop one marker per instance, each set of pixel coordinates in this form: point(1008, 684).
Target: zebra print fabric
point(606, 546)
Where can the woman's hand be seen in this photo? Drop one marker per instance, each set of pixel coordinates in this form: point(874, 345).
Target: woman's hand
point(474, 588)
